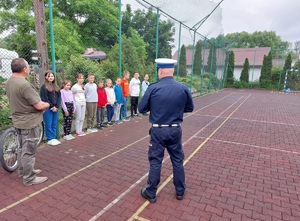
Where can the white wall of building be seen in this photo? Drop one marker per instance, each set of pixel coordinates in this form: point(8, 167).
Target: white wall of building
point(255, 73)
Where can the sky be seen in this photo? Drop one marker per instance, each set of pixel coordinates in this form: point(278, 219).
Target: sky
point(281, 16)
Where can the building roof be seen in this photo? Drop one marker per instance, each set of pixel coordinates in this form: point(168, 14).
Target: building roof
point(254, 55)
point(94, 55)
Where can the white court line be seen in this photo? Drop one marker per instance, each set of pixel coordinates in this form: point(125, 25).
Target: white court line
point(251, 145)
point(259, 121)
point(116, 200)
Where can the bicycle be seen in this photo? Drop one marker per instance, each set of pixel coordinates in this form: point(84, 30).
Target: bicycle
point(9, 147)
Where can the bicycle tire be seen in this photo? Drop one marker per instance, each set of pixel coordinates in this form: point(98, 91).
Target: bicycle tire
point(41, 133)
point(9, 147)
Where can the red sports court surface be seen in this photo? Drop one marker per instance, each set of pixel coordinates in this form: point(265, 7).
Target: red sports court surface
point(242, 162)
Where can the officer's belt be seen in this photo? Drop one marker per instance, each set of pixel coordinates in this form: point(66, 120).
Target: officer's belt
point(165, 125)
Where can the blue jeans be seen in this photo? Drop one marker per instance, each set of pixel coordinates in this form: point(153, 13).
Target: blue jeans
point(50, 120)
point(124, 107)
point(110, 112)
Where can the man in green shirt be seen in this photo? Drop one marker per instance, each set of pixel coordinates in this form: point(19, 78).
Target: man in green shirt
point(26, 109)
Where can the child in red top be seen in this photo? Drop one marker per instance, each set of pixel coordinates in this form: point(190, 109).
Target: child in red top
point(102, 101)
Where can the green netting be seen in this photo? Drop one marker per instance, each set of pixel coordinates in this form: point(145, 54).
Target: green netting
point(201, 64)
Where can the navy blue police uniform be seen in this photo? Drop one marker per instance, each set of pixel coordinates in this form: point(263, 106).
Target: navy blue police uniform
point(167, 100)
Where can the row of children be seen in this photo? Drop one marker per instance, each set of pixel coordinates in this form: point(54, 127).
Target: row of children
point(91, 98)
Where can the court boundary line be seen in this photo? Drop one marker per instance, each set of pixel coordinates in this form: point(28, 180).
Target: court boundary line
point(145, 175)
point(136, 214)
point(251, 145)
point(258, 121)
point(95, 162)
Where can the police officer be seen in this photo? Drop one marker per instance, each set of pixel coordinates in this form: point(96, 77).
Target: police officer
point(166, 100)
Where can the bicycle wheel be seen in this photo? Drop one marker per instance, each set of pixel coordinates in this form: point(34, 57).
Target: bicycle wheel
point(9, 149)
point(41, 132)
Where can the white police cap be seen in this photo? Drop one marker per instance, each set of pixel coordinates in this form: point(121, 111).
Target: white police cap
point(165, 63)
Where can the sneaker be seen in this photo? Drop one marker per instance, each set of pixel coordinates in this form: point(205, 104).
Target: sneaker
point(53, 142)
point(37, 180)
point(80, 134)
point(94, 130)
point(126, 119)
point(67, 137)
point(145, 114)
point(99, 127)
point(110, 124)
point(103, 125)
point(56, 142)
point(89, 130)
point(36, 171)
point(119, 122)
point(70, 135)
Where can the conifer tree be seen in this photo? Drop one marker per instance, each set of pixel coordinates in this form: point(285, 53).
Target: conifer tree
point(245, 72)
point(266, 69)
point(212, 60)
point(182, 62)
point(230, 69)
point(198, 59)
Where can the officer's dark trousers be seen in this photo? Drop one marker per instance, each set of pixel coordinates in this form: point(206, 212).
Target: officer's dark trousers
point(161, 138)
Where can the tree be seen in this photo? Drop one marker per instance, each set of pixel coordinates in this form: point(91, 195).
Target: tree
point(182, 62)
point(266, 71)
point(79, 64)
point(68, 41)
point(145, 24)
point(230, 70)
point(133, 56)
point(77, 25)
point(212, 60)
point(297, 65)
point(257, 39)
point(287, 66)
point(245, 72)
point(16, 16)
point(126, 20)
point(297, 49)
point(198, 59)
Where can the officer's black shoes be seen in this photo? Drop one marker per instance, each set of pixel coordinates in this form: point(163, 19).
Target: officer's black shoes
point(179, 197)
point(144, 194)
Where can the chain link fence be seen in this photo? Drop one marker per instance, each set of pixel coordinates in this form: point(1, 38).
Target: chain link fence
point(87, 40)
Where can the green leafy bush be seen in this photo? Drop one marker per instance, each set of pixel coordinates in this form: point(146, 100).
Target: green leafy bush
point(4, 106)
point(78, 64)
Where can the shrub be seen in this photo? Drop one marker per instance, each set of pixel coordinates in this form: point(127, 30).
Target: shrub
point(79, 64)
